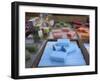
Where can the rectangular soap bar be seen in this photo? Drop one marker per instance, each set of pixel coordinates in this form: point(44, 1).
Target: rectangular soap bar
point(58, 56)
point(63, 42)
point(71, 49)
point(57, 35)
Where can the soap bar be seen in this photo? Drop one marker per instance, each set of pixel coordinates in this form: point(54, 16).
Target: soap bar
point(83, 29)
point(58, 56)
point(71, 34)
point(65, 29)
point(57, 35)
point(56, 48)
point(63, 42)
point(70, 49)
point(75, 61)
point(84, 35)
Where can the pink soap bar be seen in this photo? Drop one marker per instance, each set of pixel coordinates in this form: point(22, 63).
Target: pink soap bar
point(65, 29)
point(71, 34)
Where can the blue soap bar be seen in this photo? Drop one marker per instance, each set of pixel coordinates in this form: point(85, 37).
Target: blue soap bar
point(75, 61)
point(58, 56)
point(56, 48)
point(63, 42)
point(71, 49)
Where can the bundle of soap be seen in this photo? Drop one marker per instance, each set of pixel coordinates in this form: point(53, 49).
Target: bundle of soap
point(61, 44)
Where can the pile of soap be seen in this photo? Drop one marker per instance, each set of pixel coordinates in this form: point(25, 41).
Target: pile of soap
point(61, 49)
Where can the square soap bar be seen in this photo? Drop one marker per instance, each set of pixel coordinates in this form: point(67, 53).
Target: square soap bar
point(58, 56)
